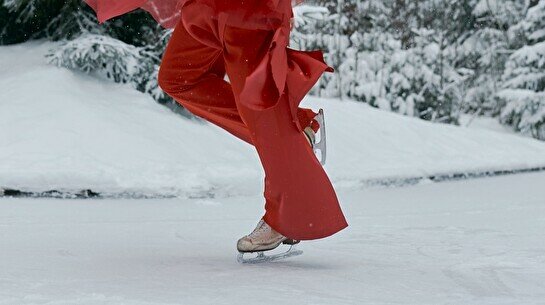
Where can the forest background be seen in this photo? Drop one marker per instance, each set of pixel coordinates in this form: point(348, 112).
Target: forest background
point(437, 60)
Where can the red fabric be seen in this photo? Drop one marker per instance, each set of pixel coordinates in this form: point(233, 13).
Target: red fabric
point(259, 104)
point(166, 12)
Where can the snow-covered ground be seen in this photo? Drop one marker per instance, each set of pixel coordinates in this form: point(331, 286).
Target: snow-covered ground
point(478, 242)
point(65, 130)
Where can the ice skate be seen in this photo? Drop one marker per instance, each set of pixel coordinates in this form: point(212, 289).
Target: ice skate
point(318, 145)
point(264, 238)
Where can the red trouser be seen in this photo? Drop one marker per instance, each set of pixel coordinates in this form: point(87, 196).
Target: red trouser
point(260, 106)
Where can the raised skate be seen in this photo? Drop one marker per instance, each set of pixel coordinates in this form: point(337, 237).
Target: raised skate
point(318, 141)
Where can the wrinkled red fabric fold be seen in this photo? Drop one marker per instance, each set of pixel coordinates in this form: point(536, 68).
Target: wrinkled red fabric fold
point(294, 70)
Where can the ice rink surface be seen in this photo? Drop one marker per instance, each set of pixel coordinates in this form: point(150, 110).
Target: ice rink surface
point(478, 241)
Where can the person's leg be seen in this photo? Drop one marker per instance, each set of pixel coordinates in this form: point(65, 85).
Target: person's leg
point(300, 200)
point(268, 81)
point(193, 74)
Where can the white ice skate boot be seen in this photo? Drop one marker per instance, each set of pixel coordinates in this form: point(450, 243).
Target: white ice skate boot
point(318, 145)
point(264, 238)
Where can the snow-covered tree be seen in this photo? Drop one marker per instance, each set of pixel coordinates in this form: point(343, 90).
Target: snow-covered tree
point(32, 19)
point(387, 54)
point(524, 77)
point(484, 50)
point(430, 59)
point(107, 56)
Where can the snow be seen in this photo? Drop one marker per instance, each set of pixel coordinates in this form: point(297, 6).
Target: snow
point(483, 122)
point(60, 129)
point(66, 130)
point(478, 241)
point(486, 7)
point(304, 13)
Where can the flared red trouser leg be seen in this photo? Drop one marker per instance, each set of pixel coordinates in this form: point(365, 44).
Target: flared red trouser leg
point(300, 200)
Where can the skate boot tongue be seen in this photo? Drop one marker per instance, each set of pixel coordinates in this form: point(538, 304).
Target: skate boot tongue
point(261, 229)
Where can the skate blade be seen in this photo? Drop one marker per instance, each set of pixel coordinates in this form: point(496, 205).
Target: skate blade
point(263, 258)
point(320, 144)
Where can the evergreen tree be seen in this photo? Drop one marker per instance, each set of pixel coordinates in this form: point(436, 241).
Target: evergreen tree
point(524, 77)
point(430, 59)
point(381, 59)
point(483, 52)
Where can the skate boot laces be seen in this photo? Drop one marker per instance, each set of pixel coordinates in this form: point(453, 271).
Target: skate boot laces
point(261, 230)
